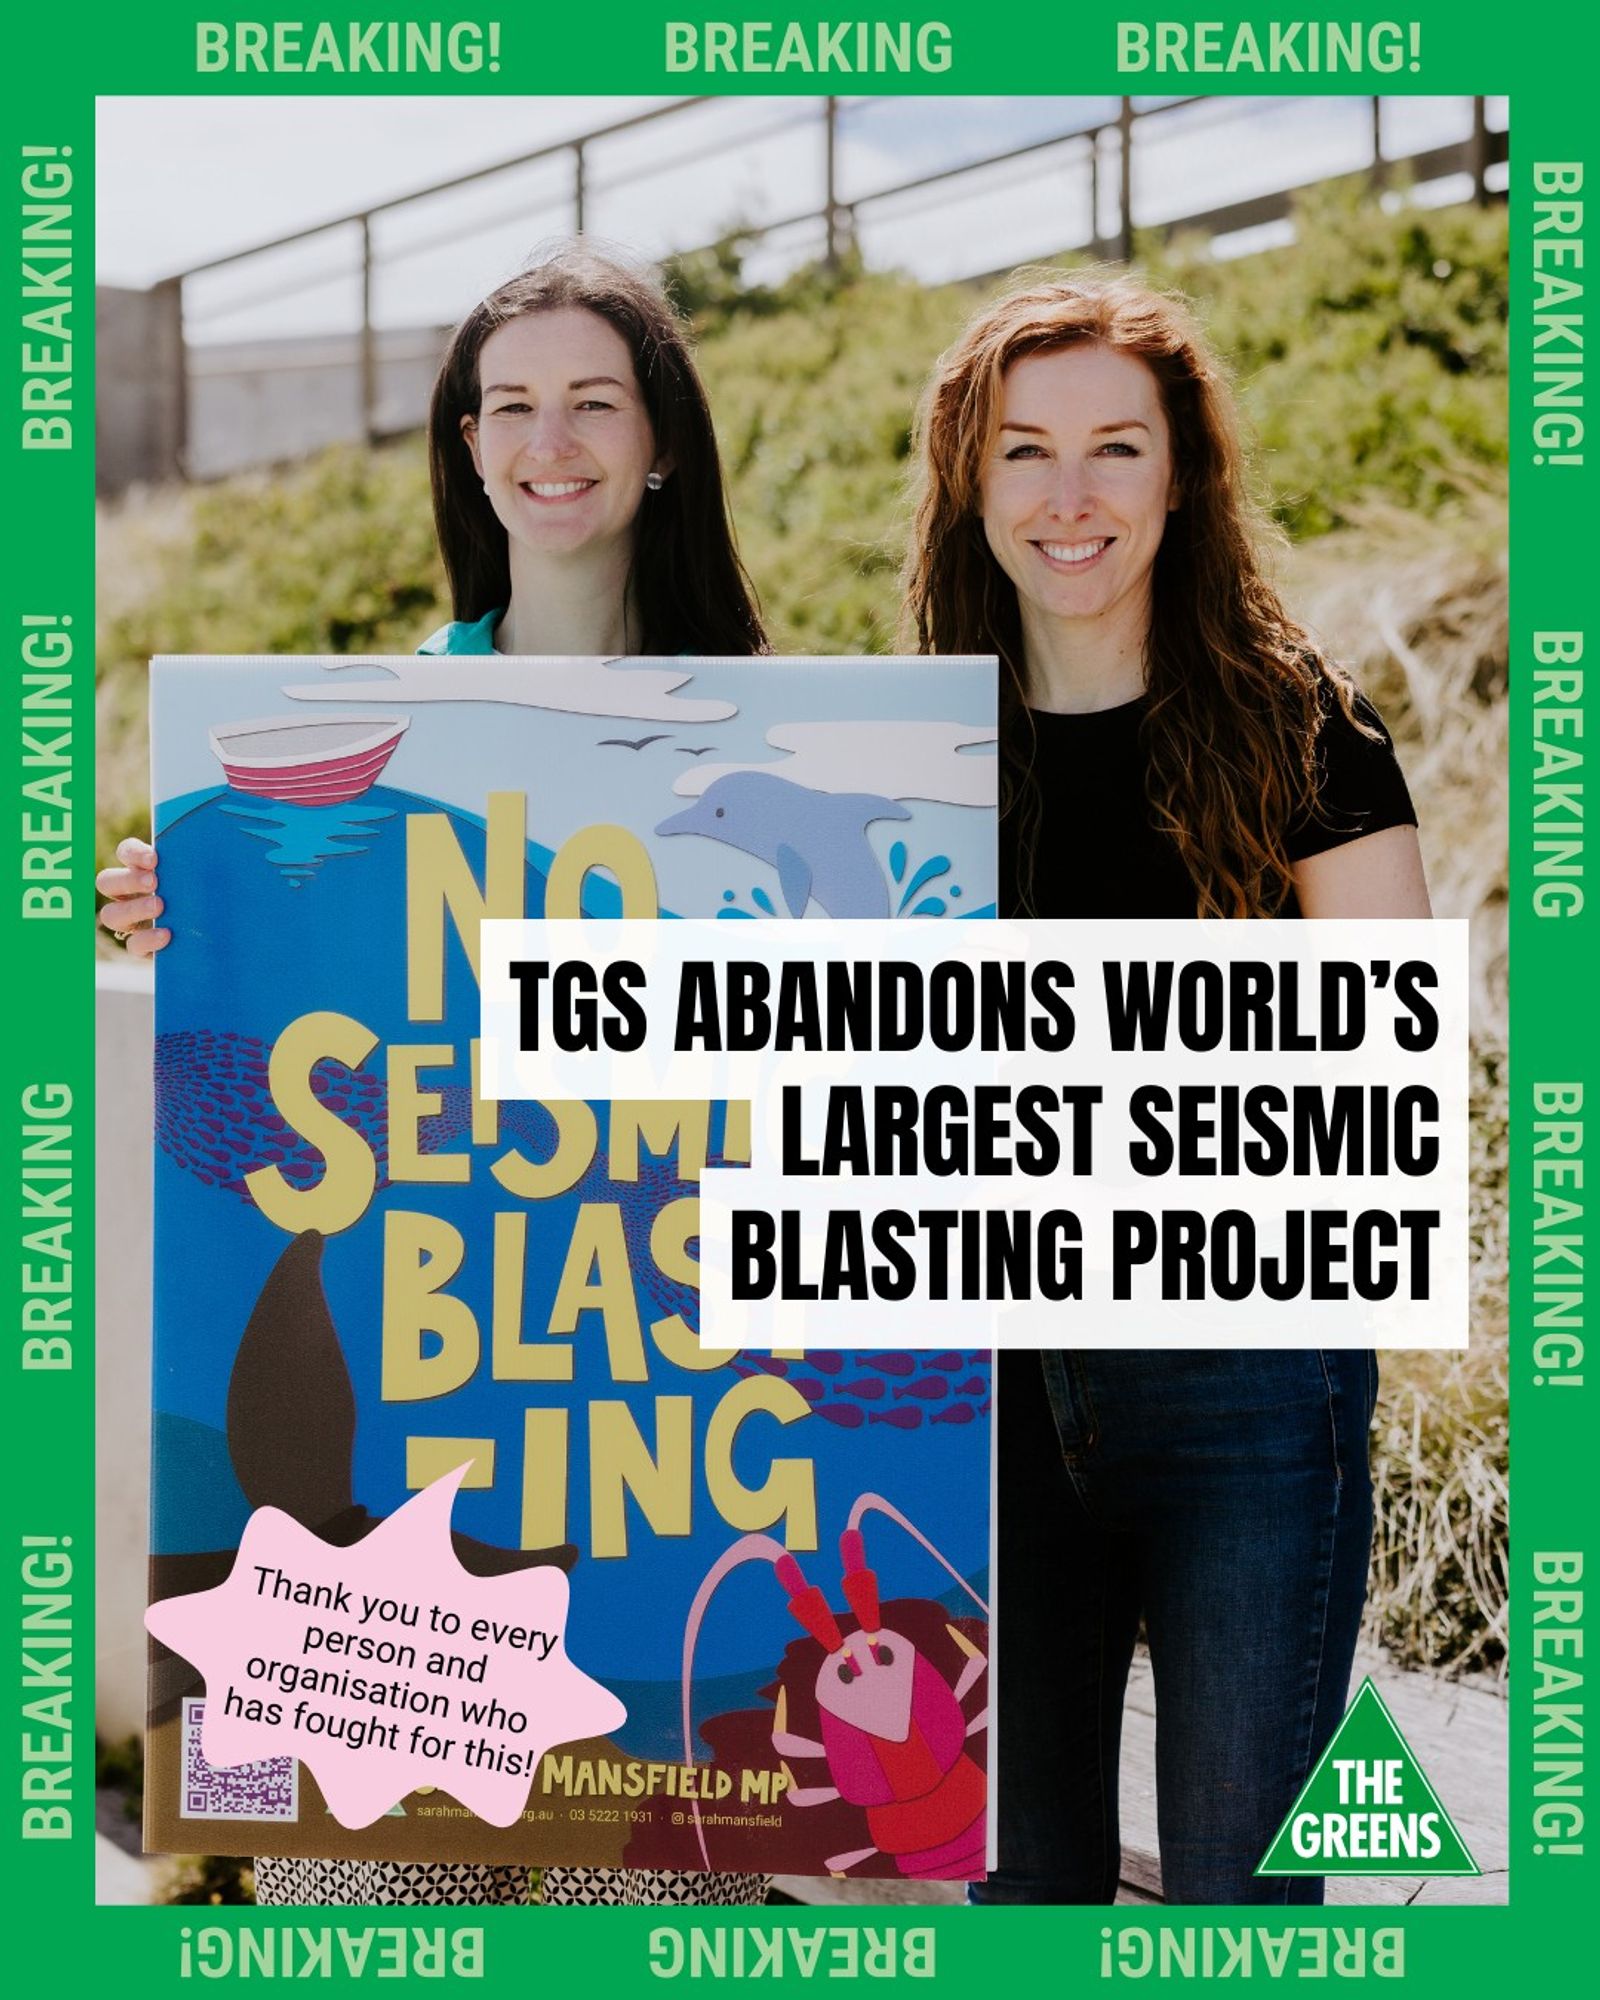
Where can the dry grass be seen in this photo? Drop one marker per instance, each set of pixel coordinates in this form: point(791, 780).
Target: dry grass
point(1417, 608)
point(1439, 1452)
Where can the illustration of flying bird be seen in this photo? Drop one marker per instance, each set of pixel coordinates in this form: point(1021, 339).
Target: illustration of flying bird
point(685, 751)
point(624, 743)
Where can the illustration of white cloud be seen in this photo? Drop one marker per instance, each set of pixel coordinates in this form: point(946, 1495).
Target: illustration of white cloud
point(573, 687)
point(895, 760)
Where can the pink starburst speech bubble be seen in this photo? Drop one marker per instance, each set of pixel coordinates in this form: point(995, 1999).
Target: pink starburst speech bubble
point(385, 1666)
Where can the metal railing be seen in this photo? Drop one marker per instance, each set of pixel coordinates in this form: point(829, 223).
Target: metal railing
point(1105, 150)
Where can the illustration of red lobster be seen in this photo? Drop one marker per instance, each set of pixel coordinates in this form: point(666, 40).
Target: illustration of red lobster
point(893, 1729)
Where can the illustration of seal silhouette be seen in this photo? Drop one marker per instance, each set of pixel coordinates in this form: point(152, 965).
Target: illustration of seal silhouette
point(817, 841)
point(291, 1428)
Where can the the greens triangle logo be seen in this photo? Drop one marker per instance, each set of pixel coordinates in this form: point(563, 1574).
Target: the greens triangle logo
point(1367, 1808)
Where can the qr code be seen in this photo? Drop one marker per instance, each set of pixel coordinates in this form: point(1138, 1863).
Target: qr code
point(269, 1790)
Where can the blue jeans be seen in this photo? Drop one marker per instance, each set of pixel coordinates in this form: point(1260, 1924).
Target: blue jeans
point(1225, 1500)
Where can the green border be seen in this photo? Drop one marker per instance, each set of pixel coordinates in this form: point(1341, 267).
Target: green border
point(60, 58)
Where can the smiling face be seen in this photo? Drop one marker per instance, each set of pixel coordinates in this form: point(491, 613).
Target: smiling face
point(562, 439)
point(1077, 485)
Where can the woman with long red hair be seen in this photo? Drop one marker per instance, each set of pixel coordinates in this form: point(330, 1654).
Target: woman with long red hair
point(1172, 744)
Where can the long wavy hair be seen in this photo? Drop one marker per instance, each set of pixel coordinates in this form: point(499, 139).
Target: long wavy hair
point(686, 583)
point(1235, 692)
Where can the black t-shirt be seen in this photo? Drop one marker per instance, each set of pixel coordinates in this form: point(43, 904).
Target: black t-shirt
point(1100, 856)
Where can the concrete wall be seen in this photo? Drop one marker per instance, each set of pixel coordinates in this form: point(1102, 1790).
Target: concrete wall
point(251, 403)
point(124, 1020)
point(139, 415)
point(248, 402)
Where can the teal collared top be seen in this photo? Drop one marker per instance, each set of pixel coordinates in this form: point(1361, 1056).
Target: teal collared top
point(458, 637)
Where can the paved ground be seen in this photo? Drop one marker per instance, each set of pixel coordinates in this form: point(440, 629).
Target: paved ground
point(121, 1873)
point(1458, 1731)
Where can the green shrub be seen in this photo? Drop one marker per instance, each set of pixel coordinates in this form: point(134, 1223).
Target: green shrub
point(1371, 356)
point(211, 1880)
point(335, 555)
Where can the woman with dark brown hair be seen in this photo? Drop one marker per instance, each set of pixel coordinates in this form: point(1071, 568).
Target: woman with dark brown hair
point(577, 487)
point(577, 497)
point(579, 504)
point(1172, 745)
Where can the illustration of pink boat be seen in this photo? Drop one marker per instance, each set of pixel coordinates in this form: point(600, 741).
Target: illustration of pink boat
point(319, 760)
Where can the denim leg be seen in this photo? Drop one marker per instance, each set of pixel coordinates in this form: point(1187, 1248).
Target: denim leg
point(1245, 1478)
point(1068, 1615)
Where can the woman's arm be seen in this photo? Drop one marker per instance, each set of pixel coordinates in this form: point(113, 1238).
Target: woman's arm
point(1379, 875)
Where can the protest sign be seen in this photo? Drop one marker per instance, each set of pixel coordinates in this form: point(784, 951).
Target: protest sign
point(369, 1274)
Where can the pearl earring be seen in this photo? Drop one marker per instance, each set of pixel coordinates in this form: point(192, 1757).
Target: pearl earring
point(654, 481)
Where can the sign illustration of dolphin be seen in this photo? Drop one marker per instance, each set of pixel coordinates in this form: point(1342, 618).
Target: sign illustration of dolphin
point(817, 841)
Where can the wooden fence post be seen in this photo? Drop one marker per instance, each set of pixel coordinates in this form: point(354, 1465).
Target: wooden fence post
point(369, 353)
point(1125, 186)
